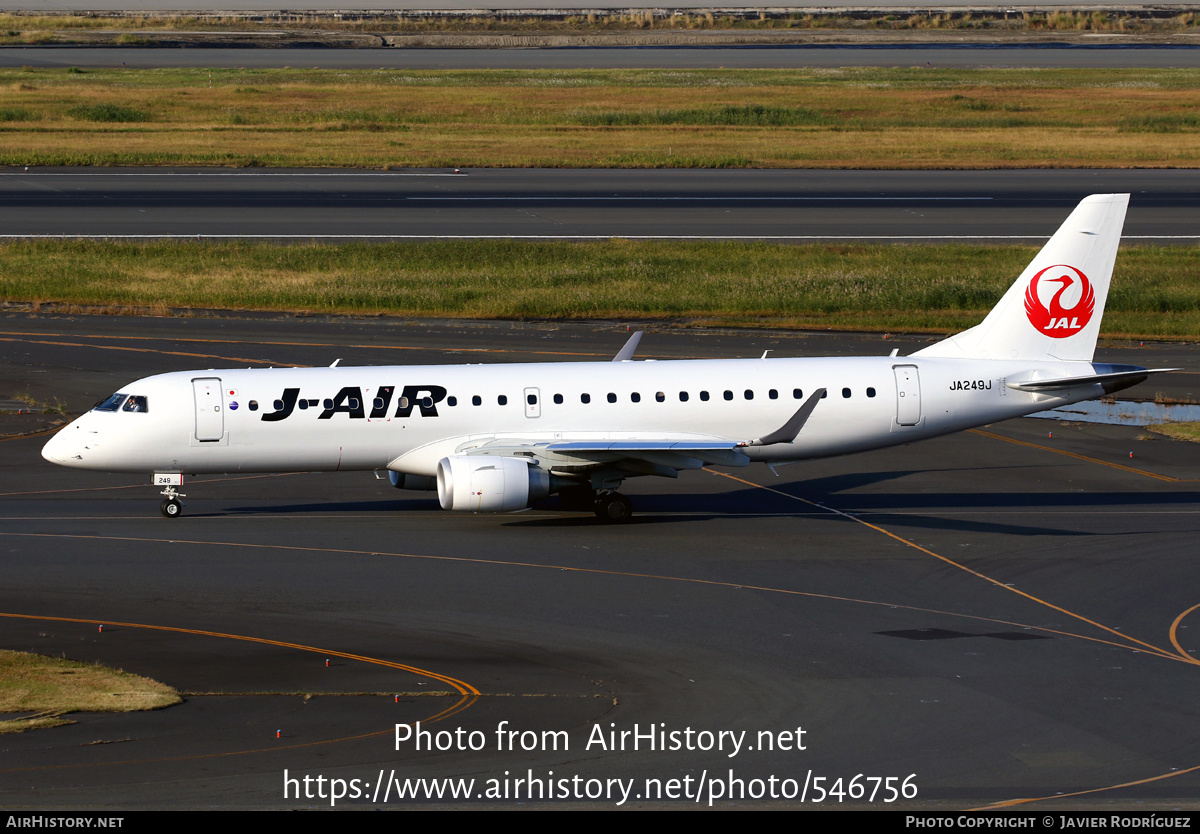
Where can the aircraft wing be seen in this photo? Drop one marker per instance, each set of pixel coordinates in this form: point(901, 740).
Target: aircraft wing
point(663, 456)
point(660, 455)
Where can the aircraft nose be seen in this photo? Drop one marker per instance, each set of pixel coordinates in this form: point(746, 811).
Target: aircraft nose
point(53, 450)
point(62, 448)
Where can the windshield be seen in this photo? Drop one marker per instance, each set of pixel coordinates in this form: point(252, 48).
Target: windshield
point(111, 404)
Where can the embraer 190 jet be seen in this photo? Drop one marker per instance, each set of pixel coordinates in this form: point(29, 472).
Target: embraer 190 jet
point(497, 438)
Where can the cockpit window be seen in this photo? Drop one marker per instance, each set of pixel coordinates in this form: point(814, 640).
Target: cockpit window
point(111, 404)
point(136, 403)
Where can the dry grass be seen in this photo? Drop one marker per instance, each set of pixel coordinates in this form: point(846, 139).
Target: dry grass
point(1179, 431)
point(912, 287)
point(49, 688)
point(32, 24)
point(864, 118)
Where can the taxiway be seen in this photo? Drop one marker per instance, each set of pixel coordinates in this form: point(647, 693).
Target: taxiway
point(1006, 615)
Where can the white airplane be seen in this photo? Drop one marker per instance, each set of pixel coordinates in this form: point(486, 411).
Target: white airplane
point(496, 438)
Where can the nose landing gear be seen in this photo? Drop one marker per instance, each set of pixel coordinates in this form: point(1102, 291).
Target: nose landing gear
point(171, 507)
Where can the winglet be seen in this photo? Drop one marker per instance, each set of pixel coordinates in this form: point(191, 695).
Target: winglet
point(788, 431)
point(626, 353)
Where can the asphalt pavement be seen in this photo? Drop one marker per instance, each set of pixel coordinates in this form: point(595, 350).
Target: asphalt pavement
point(982, 618)
point(787, 206)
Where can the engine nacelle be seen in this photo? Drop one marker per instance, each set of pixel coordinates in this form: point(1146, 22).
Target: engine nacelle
point(402, 481)
point(489, 483)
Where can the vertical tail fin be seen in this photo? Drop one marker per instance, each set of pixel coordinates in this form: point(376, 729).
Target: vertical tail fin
point(1053, 310)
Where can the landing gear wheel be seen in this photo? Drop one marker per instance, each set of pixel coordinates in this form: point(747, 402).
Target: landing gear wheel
point(577, 498)
point(613, 508)
point(171, 508)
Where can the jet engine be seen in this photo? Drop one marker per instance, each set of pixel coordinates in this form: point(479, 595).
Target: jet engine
point(490, 483)
point(402, 481)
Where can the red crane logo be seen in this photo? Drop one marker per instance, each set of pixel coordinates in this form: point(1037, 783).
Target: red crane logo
point(1055, 320)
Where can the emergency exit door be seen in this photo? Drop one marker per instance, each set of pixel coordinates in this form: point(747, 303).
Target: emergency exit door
point(533, 405)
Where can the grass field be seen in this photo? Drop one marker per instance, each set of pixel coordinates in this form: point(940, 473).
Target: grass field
point(1179, 431)
point(47, 688)
point(59, 27)
point(849, 118)
point(1155, 292)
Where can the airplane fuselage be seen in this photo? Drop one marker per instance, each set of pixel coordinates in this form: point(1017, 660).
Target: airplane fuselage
point(407, 418)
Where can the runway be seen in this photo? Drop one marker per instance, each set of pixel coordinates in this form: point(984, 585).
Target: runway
point(995, 617)
point(1061, 55)
point(786, 206)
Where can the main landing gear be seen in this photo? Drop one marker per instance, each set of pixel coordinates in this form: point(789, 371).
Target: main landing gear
point(610, 507)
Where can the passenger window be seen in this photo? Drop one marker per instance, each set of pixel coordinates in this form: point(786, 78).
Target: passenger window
point(452, 401)
point(253, 405)
point(773, 394)
point(558, 399)
point(636, 397)
point(683, 396)
point(585, 398)
point(660, 397)
point(846, 393)
point(797, 394)
point(502, 400)
point(476, 400)
point(749, 394)
point(704, 396)
point(612, 398)
point(729, 395)
point(870, 392)
point(278, 405)
point(531, 399)
point(303, 404)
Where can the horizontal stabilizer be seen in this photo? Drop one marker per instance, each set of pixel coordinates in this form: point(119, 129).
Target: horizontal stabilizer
point(1112, 382)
